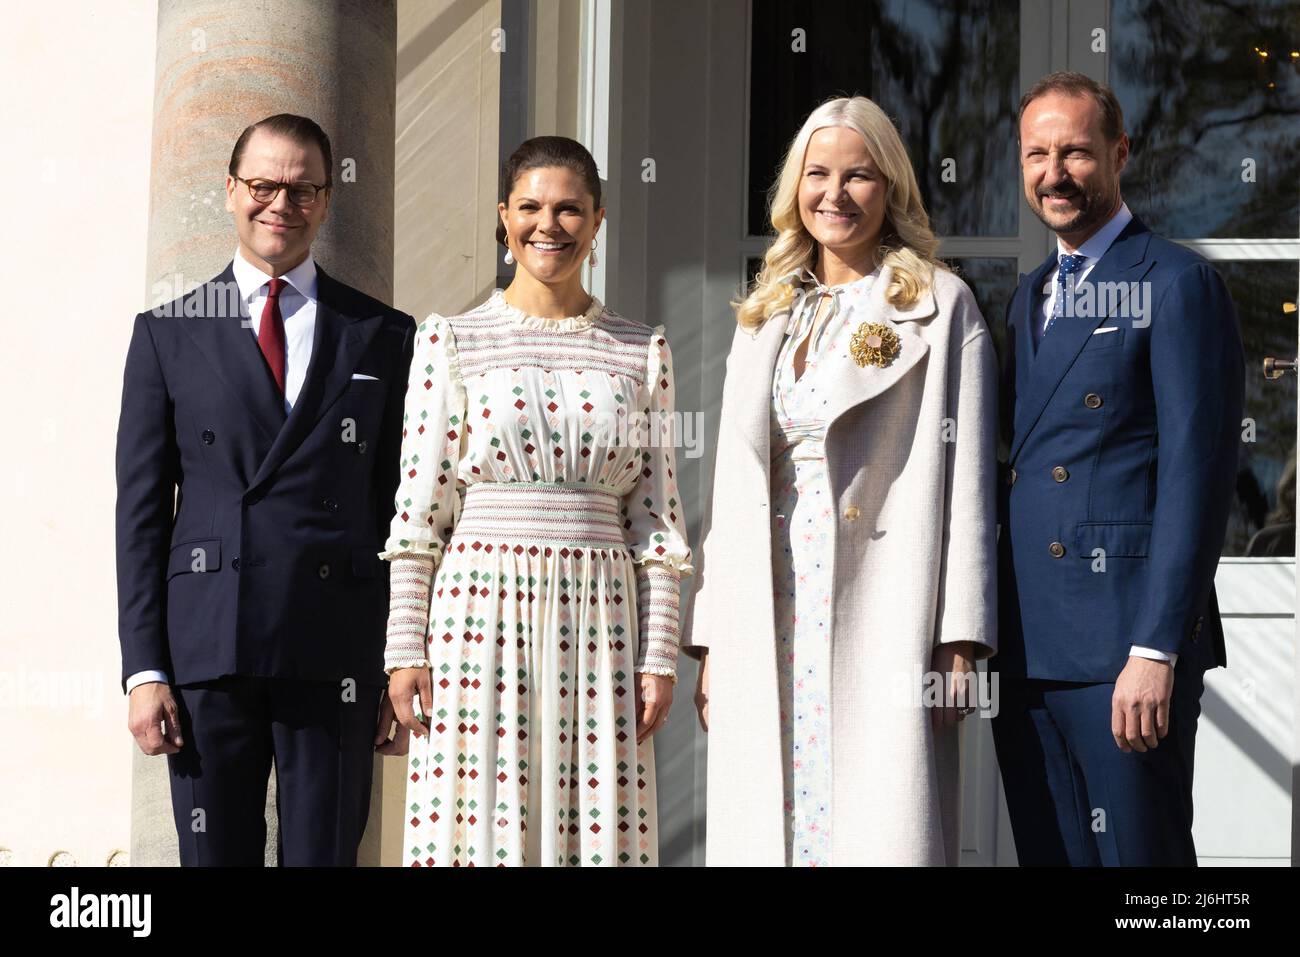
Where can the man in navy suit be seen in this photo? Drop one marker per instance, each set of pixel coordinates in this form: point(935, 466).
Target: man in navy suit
point(257, 460)
point(1122, 398)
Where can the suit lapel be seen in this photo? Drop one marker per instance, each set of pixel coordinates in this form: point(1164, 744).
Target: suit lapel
point(1031, 313)
point(1018, 348)
point(339, 342)
point(1122, 263)
point(225, 340)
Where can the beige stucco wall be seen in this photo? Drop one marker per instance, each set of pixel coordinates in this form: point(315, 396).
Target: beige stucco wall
point(448, 90)
point(77, 92)
point(557, 66)
point(75, 270)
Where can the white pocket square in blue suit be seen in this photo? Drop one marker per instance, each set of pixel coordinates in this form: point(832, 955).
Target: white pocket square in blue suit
point(363, 376)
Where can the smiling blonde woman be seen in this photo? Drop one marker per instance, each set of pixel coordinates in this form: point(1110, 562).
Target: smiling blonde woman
point(846, 566)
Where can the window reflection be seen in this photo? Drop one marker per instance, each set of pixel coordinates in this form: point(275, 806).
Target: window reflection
point(947, 73)
point(1263, 515)
point(1211, 94)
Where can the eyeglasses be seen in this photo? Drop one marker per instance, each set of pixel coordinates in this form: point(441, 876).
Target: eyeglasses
point(265, 190)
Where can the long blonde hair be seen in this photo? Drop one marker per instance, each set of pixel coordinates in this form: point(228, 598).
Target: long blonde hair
point(907, 245)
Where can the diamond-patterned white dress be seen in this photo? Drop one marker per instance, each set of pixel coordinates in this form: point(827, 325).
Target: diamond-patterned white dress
point(537, 551)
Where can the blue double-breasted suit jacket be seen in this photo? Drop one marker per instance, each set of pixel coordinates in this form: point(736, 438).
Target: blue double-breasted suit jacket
point(1122, 431)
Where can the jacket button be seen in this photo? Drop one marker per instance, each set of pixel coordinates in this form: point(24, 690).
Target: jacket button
point(1011, 477)
point(1092, 400)
point(323, 571)
point(361, 447)
point(851, 513)
point(1060, 474)
point(330, 505)
point(209, 436)
point(1056, 549)
point(234, 563)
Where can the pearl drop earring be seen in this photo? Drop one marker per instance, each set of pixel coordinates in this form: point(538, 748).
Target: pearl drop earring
point(509, 258)
point(592, 259)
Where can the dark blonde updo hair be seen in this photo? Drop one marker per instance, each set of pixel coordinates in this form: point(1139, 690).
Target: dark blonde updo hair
point(542, 151)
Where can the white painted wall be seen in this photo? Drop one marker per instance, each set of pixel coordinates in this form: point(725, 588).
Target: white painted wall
point(76, 94)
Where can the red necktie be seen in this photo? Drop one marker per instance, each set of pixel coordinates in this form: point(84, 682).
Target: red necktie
point(270, 335)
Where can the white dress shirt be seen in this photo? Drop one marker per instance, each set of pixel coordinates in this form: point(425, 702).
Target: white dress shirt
point(298, 310)
point(1092, 251)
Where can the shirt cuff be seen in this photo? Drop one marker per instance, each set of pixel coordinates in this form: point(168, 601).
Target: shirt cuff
point(144, 677)
point(1154, 654)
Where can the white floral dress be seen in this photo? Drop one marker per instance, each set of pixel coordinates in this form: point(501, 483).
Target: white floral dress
point(537, 551)
point(802, 519)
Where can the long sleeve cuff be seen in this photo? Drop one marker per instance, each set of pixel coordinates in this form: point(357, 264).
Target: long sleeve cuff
point(144, 678)
point(410, 578)
point(658, 588)
point(1154, 654)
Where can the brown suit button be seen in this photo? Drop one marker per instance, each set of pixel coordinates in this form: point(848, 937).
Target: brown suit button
point(1092, 400)
point(1060, 474)
point(851, 513)
point(1057, 549)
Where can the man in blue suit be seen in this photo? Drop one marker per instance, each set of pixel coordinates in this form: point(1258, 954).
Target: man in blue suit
point(257, 460)
point(1122, 397)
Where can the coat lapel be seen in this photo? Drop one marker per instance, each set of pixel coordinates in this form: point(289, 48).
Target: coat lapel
point(339, 342)
point(756, 361)
point(1123, 263)
point(848, 383)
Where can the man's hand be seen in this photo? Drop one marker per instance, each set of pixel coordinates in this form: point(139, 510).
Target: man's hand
point(1139, 708)
point(407, 688)
point(401, 740)
point(154, 719)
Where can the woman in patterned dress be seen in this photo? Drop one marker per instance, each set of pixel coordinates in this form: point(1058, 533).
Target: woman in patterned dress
point(853, 257)
point(536, 553)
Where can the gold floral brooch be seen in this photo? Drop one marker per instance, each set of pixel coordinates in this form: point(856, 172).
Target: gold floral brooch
point(874, 343)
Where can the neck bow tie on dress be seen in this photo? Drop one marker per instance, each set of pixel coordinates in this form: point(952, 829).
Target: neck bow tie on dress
point(801, 317)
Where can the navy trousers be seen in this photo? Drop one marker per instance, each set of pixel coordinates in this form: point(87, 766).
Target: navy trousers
point(322, 747)
point(1075, 799)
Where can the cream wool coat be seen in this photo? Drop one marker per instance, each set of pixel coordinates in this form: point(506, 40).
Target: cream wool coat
point(911, 455)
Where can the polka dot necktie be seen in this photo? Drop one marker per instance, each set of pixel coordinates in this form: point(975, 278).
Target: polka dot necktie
point(270, 334)
point(1067, 266)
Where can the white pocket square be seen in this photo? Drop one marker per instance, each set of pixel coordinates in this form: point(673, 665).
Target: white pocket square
point(362, 375)
point(1097, 332)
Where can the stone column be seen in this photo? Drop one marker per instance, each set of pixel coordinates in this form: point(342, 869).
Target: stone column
point(221, 65)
